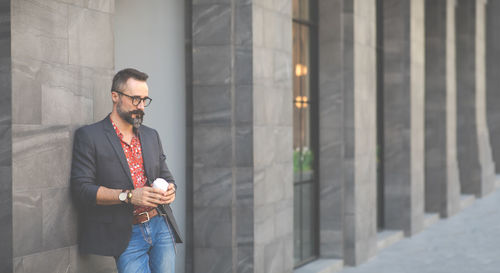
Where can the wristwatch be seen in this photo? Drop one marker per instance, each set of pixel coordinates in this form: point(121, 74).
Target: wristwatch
point(123, 196)
point(129, 196)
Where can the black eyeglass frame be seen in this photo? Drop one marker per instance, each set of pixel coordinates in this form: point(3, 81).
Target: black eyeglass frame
point(136, 100)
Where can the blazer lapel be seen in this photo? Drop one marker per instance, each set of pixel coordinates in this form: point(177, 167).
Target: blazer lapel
point(117, 146)
point(145, 156)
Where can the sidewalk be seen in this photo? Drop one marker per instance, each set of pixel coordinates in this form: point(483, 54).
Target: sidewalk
point(468, 242)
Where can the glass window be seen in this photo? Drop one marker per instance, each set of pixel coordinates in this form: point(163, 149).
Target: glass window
point(304, 134)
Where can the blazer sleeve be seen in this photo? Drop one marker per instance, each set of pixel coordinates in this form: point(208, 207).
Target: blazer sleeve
point(164, 171)
point(83, 169)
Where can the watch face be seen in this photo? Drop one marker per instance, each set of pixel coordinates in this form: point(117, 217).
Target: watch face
point(122, 196)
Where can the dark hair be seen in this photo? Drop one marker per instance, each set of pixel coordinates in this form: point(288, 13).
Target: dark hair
point(121, 78)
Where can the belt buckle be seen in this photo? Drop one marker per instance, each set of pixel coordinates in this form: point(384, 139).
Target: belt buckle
point(147, 214)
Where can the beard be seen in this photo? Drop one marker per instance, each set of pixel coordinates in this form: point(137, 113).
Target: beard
point(127, 116)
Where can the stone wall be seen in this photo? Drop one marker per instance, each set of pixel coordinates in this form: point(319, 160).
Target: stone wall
point(62, 65)
point(272, 135)
point(221, 112)
point(477, 170)
point(492, 78)
point(404, 81)
point(331, 123)
point(442, 188)
point(5, 139)
point(359, 87)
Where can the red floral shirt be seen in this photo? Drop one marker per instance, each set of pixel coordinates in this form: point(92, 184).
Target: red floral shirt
point(133, 153)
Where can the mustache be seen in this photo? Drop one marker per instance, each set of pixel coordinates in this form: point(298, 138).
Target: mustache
point(137, 112)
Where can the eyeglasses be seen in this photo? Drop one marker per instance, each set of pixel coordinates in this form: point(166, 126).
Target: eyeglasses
point(136, 100)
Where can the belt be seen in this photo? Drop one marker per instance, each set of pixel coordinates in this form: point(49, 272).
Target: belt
point(144, 217)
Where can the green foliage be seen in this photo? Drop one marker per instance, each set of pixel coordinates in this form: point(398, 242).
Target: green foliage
point(307, 159)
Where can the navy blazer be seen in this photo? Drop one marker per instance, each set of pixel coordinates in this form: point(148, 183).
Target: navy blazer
point(99, 160)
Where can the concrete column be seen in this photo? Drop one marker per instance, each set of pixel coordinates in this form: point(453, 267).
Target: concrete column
point(331, 122)
point(492, 78)
point(404, 77)
point(442, 185)
point(241, 107)
point(477, 170)
point(359, 87)
point(62, 66)
point(5, 139)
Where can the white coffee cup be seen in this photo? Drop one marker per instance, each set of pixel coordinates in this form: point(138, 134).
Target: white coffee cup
point(161, 184)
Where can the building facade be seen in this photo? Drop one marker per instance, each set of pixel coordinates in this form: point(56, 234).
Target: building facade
point(304, 135)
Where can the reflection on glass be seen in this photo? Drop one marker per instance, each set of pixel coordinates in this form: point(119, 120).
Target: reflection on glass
point(305, 244)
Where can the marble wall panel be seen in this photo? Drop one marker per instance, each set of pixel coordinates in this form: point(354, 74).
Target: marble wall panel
point(39, 30)
point(86, 26)
point(331, 133)
point(27, 91)
point(42, 157)
point(59, 219)
point(213, 260)
point(90, 263)
point(6, 214)
point(27, 222)
point(474, 153)
point(49, 261)
point(213, 146)
point(62, 53)
point(211, 24)
point(359, 131)
point(212, 104)
point(442, 188)
point(218, 72)
point(492, 79)
point(403, 114)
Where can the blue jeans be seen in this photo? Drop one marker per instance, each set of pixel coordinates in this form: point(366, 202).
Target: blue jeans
point(151, 249)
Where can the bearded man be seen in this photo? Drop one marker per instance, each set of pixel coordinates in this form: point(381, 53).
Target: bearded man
point(115, 162)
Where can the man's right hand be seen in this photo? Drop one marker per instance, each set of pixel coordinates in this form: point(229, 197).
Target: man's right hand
point(148, 196)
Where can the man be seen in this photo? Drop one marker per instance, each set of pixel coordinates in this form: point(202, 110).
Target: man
point(115, 161)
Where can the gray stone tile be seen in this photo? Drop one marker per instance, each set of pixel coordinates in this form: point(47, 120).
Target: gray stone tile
point(243, 66)
point(213, 227)
point(244, 225)
point(212, 104)
point(213, 187)
point(243, 23)
point(6, 229)
point(244, 145)
point(18, 266)
point(83, 263)
point(243, 104)
point(245, 259)
point(39, 30)
point(6, 151)
point(41, 154)
point(48, 261)
point(213, 260)
point(211, 24)
point(264, 224)
point(245, 186)
point(62, 107)
point(84, 28)
point(27, 223)
point(26, 91)
point(212, 146)
point(274, 258)
point(211, 65)
point(102, 5)
point(59, 219)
